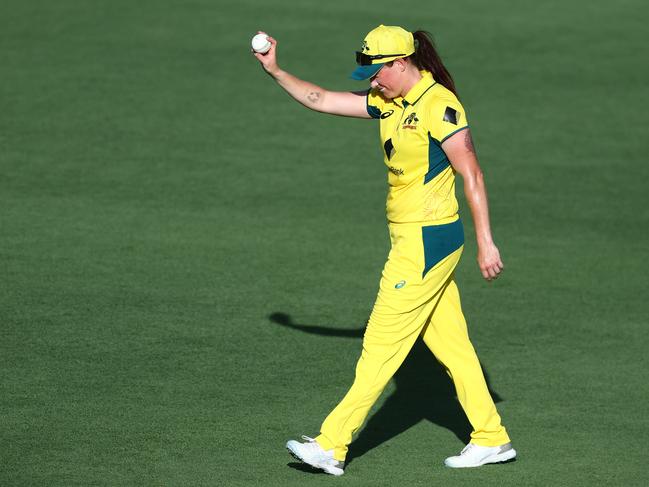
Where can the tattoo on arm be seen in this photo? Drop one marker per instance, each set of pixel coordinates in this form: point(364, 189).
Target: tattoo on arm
point(468, 141)
point(313, 97)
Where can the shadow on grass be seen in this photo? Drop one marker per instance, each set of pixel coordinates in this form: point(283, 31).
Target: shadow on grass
point(303, 467)
point(423, 392)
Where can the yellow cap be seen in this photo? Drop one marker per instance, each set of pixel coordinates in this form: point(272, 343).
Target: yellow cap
point(382, 45)
point(388, 40)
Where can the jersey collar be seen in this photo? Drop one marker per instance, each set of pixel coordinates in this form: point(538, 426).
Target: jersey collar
point(416, 92)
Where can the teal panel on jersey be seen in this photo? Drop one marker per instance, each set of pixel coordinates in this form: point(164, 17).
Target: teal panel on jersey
point(437, 160)
point(440, 241)
point(373, 111)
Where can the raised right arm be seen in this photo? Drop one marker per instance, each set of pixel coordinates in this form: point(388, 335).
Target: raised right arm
point(344, 103)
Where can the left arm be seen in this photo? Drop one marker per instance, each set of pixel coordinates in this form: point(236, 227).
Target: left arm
point(460, 152)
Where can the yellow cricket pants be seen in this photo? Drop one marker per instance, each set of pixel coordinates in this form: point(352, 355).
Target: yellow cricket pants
point(417, 296)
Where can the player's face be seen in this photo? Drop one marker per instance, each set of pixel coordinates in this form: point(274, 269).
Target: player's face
point(387, 80)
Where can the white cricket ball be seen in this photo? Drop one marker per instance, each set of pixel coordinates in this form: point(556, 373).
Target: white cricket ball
point(260, 43)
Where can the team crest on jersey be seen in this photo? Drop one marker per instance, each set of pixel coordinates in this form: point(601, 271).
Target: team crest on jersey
point(410, 122)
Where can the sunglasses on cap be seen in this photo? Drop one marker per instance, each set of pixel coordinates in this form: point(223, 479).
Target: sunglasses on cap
point(366, 59)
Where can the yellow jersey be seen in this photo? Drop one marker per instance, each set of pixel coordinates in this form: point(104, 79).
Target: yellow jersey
point(421, 179)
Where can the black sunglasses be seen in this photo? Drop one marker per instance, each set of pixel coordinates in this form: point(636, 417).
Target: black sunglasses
point(365, 59)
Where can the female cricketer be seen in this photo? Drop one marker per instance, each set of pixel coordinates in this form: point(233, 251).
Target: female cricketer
point(426, 140)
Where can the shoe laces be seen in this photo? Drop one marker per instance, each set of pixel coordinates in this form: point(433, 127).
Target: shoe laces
point(467, 448)
point(313, 445)
point(325, 455)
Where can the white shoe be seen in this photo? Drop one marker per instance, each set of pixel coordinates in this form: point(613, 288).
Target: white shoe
point(313, 454)
point(475, 455)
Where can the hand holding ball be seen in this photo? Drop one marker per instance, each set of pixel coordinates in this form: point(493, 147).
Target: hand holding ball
point(264, 48)
point(260, 43)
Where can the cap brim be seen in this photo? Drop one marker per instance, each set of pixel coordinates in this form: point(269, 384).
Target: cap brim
point(365, 72)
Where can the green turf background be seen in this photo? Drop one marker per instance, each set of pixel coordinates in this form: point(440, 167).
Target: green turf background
point(164, 208)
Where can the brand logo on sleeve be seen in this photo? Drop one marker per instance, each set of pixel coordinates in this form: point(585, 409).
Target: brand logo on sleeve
point(387, 114)
point(451, 116)
point(399, 284)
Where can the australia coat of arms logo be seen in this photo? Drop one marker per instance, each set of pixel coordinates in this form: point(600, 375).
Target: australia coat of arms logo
point(410, 122)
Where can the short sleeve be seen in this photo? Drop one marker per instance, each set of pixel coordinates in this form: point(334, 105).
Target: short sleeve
point(375, 103)
point(447, 117)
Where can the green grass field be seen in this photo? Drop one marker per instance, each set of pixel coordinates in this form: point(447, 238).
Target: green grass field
point(187, 257)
